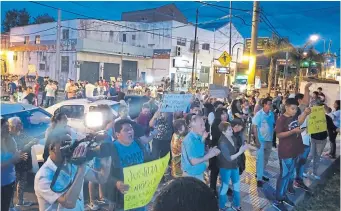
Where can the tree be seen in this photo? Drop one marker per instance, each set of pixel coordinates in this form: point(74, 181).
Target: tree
point(14, 18)
point(272, 49)
point(45, 18)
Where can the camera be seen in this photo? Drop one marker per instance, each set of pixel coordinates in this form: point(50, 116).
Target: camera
point(95, 148)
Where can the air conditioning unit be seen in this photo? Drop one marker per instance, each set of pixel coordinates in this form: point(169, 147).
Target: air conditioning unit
point(178, 51)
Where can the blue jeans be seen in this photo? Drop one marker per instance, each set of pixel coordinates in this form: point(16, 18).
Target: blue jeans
point(302, 159)
point(225, 175)
point(286, 176)
point(263, 154)
point(49, 101)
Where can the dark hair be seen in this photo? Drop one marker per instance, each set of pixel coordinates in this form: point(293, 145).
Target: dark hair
point(120, 96)
point(316, 93)
point(299, 96)
point(147, 90)
point(266, 100)
point(291, 101)
point(217, 103)
point(58, 116)
point(195, 105)
point(119, 124)
point(219, 112)
point(237, 121)
point(186, 194)
point(182, 93)
point(338, 104)
point(177, 124)
point(320, 88)
point(188, 118)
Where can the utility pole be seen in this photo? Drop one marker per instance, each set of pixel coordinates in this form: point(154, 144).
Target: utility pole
point(253, 47)
point(230, 44)
point(195, 46)
point(286, 70)
point(58, 65)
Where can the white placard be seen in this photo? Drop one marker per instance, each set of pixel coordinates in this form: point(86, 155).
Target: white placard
point(175, 102)
point(217, 91)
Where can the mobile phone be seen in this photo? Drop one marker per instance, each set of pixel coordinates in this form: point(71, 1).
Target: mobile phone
point(303, 128)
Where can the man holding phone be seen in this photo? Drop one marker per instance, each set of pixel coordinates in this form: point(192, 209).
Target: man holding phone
point(290, 147)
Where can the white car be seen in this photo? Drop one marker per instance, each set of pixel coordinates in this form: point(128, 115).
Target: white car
point(77, 109)
point(35, 121)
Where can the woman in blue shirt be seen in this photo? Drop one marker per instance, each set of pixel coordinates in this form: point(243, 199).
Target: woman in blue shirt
point(9, 157)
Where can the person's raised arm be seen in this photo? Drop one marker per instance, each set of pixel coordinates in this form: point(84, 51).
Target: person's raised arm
point(306, 98)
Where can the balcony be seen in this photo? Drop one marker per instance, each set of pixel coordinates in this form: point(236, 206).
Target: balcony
point(87, 45)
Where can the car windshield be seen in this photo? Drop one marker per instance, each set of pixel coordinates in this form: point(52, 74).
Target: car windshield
point(35, 122)
point(241, 81)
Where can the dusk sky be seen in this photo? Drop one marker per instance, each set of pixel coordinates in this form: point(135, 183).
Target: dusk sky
point(295, 20)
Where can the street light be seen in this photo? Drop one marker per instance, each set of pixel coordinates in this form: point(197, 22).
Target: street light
point(305, 53)
point(314, 38)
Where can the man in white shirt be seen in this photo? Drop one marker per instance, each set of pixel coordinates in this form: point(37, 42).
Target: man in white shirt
point(50, 90)
point(89, 90)
point(67, 193)
point(67, 85)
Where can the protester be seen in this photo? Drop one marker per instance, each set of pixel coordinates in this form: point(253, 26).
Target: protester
point(193, 159)
point(71, 90)
point(185, 194)
point(336, 113)
point(289, 148)
point(67, 85)
point(263, 124)
point(180, 131)
point(143, 121)
point(63, 195)
point(10, 156)
point(28, 96)
point(228, 165)
point(24, 144)
point(50, 93)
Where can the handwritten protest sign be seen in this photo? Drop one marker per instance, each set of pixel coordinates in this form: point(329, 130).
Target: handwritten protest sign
point(112, 79)
point(218, 91)
point(317, 120)
point(31, 68)
point(175, 102)
point(143, 180)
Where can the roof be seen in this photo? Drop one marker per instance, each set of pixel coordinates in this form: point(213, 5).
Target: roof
point(150, 9)
point(9, 108)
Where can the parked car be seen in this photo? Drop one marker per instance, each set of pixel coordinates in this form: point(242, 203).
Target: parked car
point(77, 109)
point(35, 121)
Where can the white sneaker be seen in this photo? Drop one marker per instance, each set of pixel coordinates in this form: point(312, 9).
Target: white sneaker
point(93, 206)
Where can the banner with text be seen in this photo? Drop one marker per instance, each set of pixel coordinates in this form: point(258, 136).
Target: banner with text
point(143, 180)
point(317, 120)
point(175, 102)
point(218, 91)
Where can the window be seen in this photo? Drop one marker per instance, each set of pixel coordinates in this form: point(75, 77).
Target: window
point(65, 64)
point(206, 46)
point(111, 36)
point(65, 35)
point(41, 66)
point(72, 111)
point(133, 37)
point(27, 40)
point(37, 39)
point(181, 41)
point(205, 69)
point(124, 37)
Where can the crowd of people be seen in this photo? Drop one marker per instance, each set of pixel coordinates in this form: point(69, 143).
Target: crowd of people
point(207, 143)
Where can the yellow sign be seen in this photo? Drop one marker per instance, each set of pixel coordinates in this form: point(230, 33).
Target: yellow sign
point(31, 68)
point(112, 79)
point(317, 120)
point(225, 59)
point(143, 180)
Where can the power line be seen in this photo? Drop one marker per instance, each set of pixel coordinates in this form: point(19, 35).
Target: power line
point(219, 6)
point(33, 32)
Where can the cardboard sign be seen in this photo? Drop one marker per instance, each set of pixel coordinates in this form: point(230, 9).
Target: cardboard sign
point(143, 180)
point(175, 102)
point(112, 79)
point(317, 120)
point(218, 91)
point(31, 68)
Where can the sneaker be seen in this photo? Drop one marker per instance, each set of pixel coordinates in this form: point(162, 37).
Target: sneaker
point(288, 201)
point(300, 184)
point(24, 204)
point(279, 205)
point(103, 201)
point(314, 176)
point(93, 206)
point(260, 184)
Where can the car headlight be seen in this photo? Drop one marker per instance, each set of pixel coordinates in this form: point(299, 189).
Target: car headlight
point(94, 119)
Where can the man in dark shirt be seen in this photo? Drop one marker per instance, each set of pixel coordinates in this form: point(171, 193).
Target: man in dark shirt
point(289, 148)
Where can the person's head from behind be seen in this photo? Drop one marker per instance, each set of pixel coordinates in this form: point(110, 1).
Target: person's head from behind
point(236, 104)
point(218, 104)
point(195, 108)
point(197, 124)
point(15, 125)
point(237, 125)
point(185, 194)
point(299, 97)
point(59, 119)
point(337, 105)
point(315, 95)
point(124, 131)
point(179, 126)
point(266, 104)
point(226, 129)
point(291, 105)
point(145, 109)
point(58, 138)
point(178, 115)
